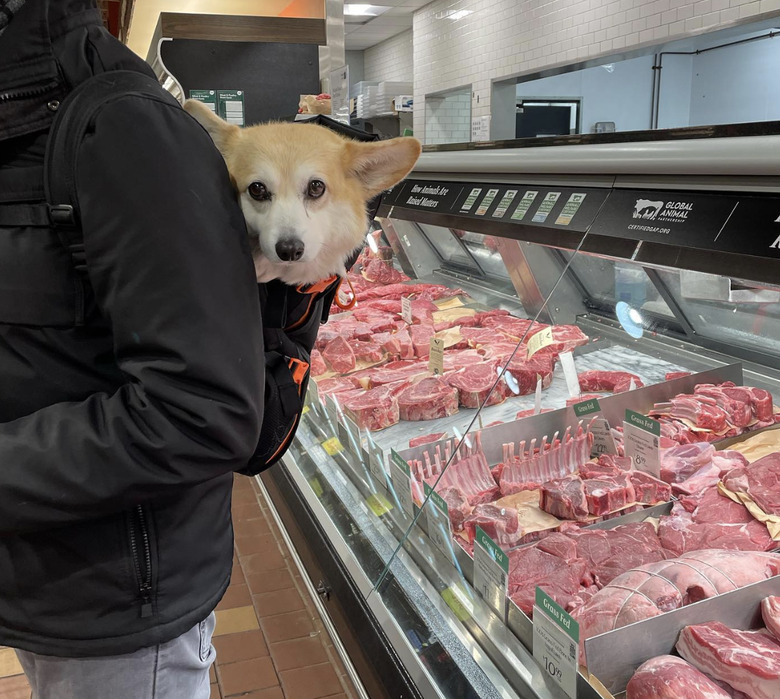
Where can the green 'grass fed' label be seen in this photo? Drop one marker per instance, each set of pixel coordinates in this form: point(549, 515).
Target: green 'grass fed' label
point(642, 439)
point(556, 642)
point(491, 571)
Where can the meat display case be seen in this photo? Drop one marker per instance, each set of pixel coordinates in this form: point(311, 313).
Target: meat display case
point(665, 254)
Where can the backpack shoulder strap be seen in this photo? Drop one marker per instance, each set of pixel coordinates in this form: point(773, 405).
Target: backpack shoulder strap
point(65, 136)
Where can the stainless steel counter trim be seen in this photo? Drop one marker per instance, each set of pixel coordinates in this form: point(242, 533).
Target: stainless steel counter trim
point(756, 155)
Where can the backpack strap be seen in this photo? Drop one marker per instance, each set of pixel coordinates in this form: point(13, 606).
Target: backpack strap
point(65, 137)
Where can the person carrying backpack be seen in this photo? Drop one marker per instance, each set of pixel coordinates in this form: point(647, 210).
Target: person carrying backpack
point(135, 372)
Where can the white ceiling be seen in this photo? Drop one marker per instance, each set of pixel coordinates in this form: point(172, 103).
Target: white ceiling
point(364, 32)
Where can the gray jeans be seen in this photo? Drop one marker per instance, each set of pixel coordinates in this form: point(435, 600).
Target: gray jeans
point(178, 669)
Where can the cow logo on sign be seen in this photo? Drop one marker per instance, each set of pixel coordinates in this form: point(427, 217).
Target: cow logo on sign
point(647, 209)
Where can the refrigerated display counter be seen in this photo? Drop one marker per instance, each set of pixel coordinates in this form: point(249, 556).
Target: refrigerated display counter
point(532, 275)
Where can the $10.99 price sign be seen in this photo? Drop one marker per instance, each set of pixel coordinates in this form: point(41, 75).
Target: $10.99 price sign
point(556, 642)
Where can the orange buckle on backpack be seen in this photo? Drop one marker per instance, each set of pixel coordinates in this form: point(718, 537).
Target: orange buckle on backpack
point(346, 305)
point(298, 369)
point(317, 287)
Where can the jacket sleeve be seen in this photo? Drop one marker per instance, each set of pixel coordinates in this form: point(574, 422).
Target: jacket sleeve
point(172, 273)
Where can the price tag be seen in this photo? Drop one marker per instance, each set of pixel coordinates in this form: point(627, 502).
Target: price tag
point(333, 446)
point(538, 395)
point(556, 642)
point(603, 441)
point(305, 410)
point(539, 340)
point(436, 356)
point(378, 504)
point(642, 436)
point(341, 428)
point(406, 309)
point(313, 393)
point(352, 435)
point(316, 486)
point(401, 480)
point(491, 571)
point(570, 373)
point(332, 406)
point(457, 602)
point(438, 517)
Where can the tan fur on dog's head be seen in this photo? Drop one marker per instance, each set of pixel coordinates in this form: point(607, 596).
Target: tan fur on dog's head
point(303, 190)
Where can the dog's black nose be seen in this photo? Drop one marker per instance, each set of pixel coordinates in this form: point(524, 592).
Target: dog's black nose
point(289, 249)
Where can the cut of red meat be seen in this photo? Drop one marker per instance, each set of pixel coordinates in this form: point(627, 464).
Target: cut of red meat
point(681, 462)
point(392, 372)
point(608, 493)
point(469, 472)
point(655, 588)
point(383, 272)
point(738, 408)
point(529, 412)
point(607, 380)
point(698, 409)
point(611, 552)
point(759, 399)
point(459, 359)
point(597, 469)
point(624, 463)
point(421, 339)
point(317, 363)
point(670, 677)
point(389, 344)
point(428, 399)
point(566, 338)
point(338, 384)
point(426, 439)
point(529, 567)
point(760, 482)
point(369, 352)
point(672, 375)
point(770, 612)
point(703, 478)
point(499, 523)
point(514, 327)
point(475, 383)
point(524, 373)
point(422, 311)
point(747, 660)
point(405, 341)
point(648, 489)
point(457, 505)
point(339, 355)
point(564, 498)
point(482, 337)
point(374, 409)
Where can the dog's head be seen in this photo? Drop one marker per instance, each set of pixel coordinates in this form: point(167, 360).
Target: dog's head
point(303, 190)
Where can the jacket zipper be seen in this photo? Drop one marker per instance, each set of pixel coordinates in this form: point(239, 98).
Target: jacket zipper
point(26, 94)
point(142, 559)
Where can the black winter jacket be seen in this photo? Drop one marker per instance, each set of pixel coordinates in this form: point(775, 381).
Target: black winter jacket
point(118, 439)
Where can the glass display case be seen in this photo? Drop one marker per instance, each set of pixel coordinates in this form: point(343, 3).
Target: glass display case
point(537, 333)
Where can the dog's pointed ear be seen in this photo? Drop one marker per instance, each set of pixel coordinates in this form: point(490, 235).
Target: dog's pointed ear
point(219, 130)
point(381, 164)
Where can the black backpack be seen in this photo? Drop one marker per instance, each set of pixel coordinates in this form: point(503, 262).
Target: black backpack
point(290, 323)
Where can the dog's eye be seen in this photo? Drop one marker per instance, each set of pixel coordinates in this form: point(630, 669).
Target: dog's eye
point(257, 190)
point(316, 189)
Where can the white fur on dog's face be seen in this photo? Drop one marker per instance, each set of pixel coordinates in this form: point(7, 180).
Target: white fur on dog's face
point(281, 161)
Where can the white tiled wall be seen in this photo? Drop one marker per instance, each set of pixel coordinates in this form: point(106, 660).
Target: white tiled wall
point(390, 60)
point(448, 118)
point(505, 37)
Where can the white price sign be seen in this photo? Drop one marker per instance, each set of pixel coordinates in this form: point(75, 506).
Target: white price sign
point(491, 571)
point(401, 480)
point(642, 437)
point(438, 518)
point(556, 642)
point(406, 309)
point(376, 464)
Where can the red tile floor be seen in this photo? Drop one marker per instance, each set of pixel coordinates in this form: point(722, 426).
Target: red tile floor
point(270, 640)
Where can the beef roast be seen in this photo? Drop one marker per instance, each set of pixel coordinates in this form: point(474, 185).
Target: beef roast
point(428, 399)
point(607, 494)
point(564, 498)
point(529, 567)
point(748, 661)
point(670, 677)
point(476, 383)
point(760, 482)
point(615, 381)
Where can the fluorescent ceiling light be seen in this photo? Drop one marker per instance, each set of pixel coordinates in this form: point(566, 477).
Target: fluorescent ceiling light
point(363, 10)
point(453, 15)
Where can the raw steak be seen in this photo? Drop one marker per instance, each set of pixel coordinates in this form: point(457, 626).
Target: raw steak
point(475, 384)
point(529, 412)
point(608, 493)
point(389, 344)
point(383, 272)
point(748, 661)
point(392, 372)
point(770, 612)
point(655, 588)
point(672, 375)
point(405, 341)
point(428, 399)
point(760, 482)
point(607, 381)
point(564, 498)
point(369, 352)
point(529, 567)
point(462, 359)
point(648, 489)
point(457, 505)
point(317, 363)
point(426, 439)
point(759, 399)
point(737, 407)
point(514, 327)
point(669, 677)
point(700, 410)
point(421, 339)
point(375, 409)
point(339, 355)
point(681, 462)
point(338, 384)
point(526, 372)
point(596, 469)
point(679, 534)
point(478, 337)
point(499, 523)
point(611, 552)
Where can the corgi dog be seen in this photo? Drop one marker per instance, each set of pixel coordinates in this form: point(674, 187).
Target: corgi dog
point(303, 190)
